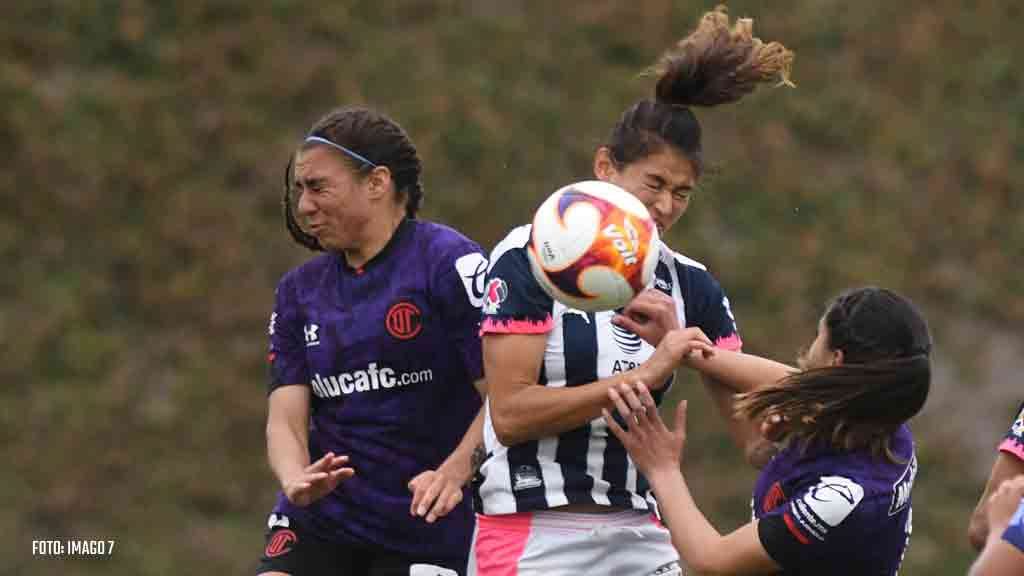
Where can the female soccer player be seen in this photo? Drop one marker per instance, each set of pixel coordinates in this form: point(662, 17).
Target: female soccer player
point(370, 343)
point(1009, 463)
point(557, 493)
point(836, 498)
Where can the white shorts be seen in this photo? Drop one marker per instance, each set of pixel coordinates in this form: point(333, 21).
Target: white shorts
point(546, 543)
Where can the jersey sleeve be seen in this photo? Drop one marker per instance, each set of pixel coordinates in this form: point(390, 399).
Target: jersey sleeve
point(513, 302)
point(1014, 533)
point(809, 530)
point(708, 308)
point(459, 293)
point(287, 355)
point(1013, 443)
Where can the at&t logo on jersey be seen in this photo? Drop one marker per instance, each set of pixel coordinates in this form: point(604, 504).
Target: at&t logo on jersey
point(372, 378)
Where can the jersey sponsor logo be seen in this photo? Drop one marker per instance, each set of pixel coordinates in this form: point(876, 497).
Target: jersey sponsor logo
point(902, 487)
point(525, 477)
point(373, 378)
point(472, 269)
point(833, 499)
point(663, 285)
point(627, 341)
point(281, 542)
point(311, 332)
point(773, 498)
point(272, 325)
point(404, 320)
point(495, 293)
point(430, 570)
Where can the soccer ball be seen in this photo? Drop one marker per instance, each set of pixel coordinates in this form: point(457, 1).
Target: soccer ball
point(593, 246)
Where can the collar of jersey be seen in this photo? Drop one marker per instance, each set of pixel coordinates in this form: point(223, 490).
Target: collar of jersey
point(403, 230)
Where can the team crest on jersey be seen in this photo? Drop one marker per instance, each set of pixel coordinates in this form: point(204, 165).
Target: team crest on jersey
point(494, 294)
point(404, 320)
point(281, 542)
point(773, 498)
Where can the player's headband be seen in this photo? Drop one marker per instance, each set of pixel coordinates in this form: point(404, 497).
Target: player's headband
point(349, 153)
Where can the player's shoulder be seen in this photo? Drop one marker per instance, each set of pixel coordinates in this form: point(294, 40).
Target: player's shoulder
point(512, 245)
point(441, 239)
point(309, 271)
point(670, 256)
point(694, 275)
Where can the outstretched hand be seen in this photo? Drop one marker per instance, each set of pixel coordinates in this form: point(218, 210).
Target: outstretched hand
point(653, 446)
point(435, 493)
point(675, 347)
point(317, 480)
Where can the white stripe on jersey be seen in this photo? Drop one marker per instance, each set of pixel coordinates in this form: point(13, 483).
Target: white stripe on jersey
point(517, 238)
point(547, 448)
point(496, 488)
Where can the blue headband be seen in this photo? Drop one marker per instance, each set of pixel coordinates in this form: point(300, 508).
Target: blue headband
point(335, 145)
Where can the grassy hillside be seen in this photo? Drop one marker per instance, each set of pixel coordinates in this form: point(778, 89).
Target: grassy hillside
point(145, 144)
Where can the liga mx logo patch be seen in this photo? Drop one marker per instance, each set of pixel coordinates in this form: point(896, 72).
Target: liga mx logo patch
point(494, 294)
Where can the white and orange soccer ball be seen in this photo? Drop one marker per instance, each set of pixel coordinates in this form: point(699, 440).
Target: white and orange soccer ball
point(593, 246)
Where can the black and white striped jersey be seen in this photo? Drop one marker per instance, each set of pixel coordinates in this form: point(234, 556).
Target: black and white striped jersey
point(588, 464)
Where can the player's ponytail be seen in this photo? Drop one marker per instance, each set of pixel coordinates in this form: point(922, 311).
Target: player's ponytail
point(715, 64)
point(883, 381)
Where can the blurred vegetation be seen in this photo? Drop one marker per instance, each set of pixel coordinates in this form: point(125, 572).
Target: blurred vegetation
point(145, 143)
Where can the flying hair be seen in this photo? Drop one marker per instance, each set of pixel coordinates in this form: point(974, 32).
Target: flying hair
point(717, 64)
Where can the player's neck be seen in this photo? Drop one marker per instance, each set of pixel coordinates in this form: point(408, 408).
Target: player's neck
point(377, 232)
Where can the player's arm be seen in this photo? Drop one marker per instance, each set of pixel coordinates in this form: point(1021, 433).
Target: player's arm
point(656, 450)
point(1003, 554)
point(522, 409)
point(438, 492)
point(1006, 466)
point(288, 449)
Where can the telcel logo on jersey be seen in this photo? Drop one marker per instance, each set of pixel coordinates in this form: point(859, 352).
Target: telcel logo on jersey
point(373, 378)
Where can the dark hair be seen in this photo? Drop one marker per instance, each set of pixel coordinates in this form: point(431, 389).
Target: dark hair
point(882, 382)
point(714, 65)
point(376, 138)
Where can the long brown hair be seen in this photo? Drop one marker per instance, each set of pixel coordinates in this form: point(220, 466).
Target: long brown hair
point(714, 64)
point(882, 382)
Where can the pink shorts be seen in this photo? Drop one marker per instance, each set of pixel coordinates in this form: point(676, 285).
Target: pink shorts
point(550, 543)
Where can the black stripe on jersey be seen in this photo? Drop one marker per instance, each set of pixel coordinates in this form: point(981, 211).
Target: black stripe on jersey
point(579, 340)
point(524, 472)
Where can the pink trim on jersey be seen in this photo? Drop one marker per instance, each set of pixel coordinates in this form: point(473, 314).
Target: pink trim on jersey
point(501, 326)
point(731, 343)
point(500, 542)
point(1011, 446)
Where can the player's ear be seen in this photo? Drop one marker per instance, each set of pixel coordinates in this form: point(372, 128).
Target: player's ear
point(378, 182)
point(604, 164)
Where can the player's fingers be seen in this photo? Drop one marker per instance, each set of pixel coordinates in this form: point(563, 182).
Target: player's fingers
point(418, 486)
point(430, 495)
point(620, 403)
point(447, 500)
point(621, 434)
point(320, 464)
point(623, 321)
point(336, 462)
point(632, 400)
point(679, 428)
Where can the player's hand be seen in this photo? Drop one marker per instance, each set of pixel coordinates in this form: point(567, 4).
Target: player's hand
point(650, 315)
point(1004, 503)
point(317, 480)
point(674, 348)
point(435, 493)
point(652, 446)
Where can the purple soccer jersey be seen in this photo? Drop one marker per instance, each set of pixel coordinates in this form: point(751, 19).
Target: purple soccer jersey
point(1014, 533)
point(390, 352)
point(842, 513)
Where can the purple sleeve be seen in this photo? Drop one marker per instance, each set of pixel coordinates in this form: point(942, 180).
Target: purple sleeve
point(807, 529)
point(287, 355)
point(1014, 533)
point(459, 291)
point(1013, 443)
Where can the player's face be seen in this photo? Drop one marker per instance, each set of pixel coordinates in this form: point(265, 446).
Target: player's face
point(662, 181)
point(332, 199)
point(820, 354)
